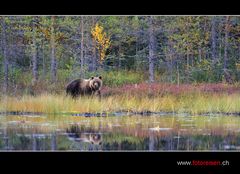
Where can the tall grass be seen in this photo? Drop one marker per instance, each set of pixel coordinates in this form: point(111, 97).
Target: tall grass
point(194, 103)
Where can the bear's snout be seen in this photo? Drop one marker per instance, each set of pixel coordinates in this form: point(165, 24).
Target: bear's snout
point(95, 85)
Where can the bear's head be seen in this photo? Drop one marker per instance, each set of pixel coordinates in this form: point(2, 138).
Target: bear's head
point(95, 138)
point(95, 83)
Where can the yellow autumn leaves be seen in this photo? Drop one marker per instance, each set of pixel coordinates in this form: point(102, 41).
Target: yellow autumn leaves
point(101, 39)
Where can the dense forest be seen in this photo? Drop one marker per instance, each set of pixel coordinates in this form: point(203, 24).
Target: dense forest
point(43, 53)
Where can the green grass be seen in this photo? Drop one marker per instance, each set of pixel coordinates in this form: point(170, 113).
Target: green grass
point(119, 78)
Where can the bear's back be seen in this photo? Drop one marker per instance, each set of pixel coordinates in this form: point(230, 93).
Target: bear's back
point(83, 87)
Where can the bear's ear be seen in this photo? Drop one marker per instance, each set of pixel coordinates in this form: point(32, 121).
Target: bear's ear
point(100, 77)
point(92, 77)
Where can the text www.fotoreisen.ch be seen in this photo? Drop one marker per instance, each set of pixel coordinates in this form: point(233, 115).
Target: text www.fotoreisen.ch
point(203, 163)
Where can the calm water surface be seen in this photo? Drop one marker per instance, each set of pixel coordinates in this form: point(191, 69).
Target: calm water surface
point(119, 133)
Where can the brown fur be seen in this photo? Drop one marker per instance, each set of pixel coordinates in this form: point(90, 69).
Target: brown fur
point(90, 86)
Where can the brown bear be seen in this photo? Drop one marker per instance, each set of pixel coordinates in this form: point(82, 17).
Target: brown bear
point(76, 134)
point(90, 86)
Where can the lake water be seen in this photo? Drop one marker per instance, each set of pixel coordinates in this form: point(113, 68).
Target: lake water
point(119, 133)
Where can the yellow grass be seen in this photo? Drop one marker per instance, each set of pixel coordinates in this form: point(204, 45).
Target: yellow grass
point(192, 103)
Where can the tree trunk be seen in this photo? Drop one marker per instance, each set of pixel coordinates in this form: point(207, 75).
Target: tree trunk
point(34, 55)
point(200, 53)
point(226, 73)
point(119, 57)
point(171, 54)
point(136, 54)
point(178, 74)
point(171, 68)
point(94, 56)
point(187, 66)
point(220, 45)
point(238, 50)
point(43, 61)
point(81, 55)
point(226, 43)
point(214, 38)
point(151, 49)
point(53, 49)
point(6, 63)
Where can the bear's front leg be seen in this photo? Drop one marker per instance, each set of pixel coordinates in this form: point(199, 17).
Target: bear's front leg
point(99, 95)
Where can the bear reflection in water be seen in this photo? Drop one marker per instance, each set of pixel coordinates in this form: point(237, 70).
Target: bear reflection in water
point(75, 134)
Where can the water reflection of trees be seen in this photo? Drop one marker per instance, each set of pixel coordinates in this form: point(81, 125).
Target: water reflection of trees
point(82, 138)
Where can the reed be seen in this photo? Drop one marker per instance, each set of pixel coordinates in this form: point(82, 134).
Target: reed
point(194, 102)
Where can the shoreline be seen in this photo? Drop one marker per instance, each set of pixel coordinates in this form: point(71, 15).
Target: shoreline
point(121, 113)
